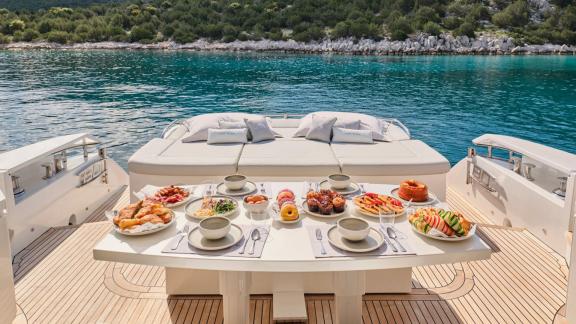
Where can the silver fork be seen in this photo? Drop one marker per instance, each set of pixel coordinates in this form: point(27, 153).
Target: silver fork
point(319, 238)
point(362, 189)
point(262, 190)
point(181, 234)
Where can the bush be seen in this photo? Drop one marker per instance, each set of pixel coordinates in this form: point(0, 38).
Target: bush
point(29, 35)
point(452, 22)
point(466, 29)
point(16, 25)
point(399, 29)
point(432, 28)
point(142, 33)
point(44, 27)
point(5, 39)
point(515, 15)
point(58, 36)
point(568, 18)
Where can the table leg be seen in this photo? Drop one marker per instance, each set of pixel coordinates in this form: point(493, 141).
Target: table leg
point(348, 290)
point(235, 290)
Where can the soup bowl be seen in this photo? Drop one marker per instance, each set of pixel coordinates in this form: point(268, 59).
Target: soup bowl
point(339, 181)
point(353, 229)
point(214, 228)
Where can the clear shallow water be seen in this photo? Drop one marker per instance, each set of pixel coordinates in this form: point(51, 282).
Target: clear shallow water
point(126, 98)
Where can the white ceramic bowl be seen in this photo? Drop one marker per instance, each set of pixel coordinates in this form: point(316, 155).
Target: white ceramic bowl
point(339, 181)
point(214, 228)
point(235, 182)
point(353, 229)
point(258, 208)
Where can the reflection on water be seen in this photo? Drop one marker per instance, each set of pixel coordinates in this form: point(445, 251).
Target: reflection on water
point(126, 98)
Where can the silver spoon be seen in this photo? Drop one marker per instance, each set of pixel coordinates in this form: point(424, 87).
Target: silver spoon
point(255, 237)
point(393, 236)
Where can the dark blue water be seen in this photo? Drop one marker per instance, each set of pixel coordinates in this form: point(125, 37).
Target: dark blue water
point(126, 98)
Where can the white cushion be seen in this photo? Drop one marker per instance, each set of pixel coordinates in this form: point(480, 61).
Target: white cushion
point(403, 158)
point(174, 158)
point(321, 128)
point(231, 124)
point(232, 135)
point(345, 122)
point(198, 125)
point(346, 135)
point(287, 158)
point(260, 129)
point(348, 120)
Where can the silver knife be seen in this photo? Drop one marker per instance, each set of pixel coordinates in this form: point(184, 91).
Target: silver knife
point(246, 242)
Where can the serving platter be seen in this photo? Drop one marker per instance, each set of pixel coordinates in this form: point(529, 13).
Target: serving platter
point(432, 199)
point(196, 204)
point(361, 211)
point(249, 188)
point(373, 241)
point(198, 241)
point(146, 229)
point(471, 233)
point(352, 188)
point(319, 215)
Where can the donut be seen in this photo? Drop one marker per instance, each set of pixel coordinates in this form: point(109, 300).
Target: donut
point(413, 190)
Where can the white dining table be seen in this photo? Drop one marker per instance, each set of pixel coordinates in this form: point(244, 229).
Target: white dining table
point(288, 264)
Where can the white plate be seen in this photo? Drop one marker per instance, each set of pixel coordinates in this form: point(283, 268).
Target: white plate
point(370, 243)
point(180, 203)
point(365, 213)
point(278, 218)
point(432, 199)
point(449, 239)
point(352, 188)
point(333, 215)
point(196, 204)
point(249, 188)
point(157, 227)
point(198, 241)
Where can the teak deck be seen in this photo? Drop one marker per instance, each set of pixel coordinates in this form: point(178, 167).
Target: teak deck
point(58, 281)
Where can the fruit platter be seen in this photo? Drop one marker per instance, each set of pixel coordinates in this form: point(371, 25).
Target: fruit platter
point(441, 224)
point(201, 208)
point(286, 207)
point(376, 205)
point(172, 196)
point(143, 217)
point(324, 203)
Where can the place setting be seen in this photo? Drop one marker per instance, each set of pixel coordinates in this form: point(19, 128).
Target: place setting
point(352, 236)
point(218, 236)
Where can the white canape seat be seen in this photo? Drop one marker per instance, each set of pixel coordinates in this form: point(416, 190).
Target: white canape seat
point(288, 158)
point(409, 157)
point(174, 158)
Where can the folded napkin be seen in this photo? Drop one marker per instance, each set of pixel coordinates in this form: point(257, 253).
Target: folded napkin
point(333, 252)
point(233, 251)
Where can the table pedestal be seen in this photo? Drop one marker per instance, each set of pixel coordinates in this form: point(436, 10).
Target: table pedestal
point(234, 287)
point(348, 290)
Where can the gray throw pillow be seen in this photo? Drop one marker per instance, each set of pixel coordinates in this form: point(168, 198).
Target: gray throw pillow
point(260, 129)
point(321, 128)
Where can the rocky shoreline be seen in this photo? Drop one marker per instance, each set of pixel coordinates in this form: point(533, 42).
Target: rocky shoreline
point(419, 45)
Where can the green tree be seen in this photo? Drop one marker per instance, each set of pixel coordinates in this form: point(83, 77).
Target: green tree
point(432, 28)
point(515, 15)
point(399, 29)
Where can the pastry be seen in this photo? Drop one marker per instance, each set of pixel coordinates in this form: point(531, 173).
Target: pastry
point(313, 205)
point(289, 212)
point(339, 204)
point(412, 190)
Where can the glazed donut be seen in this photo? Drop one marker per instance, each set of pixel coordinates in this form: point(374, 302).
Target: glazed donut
point(413, 190)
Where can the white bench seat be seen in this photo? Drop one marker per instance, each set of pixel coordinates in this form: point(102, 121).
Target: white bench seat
point(174, 158)
point(288, 158)
point(409, 158)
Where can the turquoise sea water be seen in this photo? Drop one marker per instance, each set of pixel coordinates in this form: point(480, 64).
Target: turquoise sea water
point(126, 97)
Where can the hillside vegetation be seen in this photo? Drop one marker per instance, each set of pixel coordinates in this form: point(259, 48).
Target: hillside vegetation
point(183, 21)
point(43, 4)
